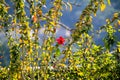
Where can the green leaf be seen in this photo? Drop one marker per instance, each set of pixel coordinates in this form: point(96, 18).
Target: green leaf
point(43, 1)
point(57, 52)
point(109, 2)
point(18, 11)
point(119, 30)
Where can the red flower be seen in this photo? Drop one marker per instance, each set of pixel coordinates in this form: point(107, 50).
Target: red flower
point(60, 40)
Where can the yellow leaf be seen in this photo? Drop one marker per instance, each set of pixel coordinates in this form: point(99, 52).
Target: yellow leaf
point(37, 46)
point(118, 22)
point(95, 14)
point(102, 7)
point(7, 8)
point(116, 15)
point(50, 48)
point(30, 51)
point(109, 2)
point(28, 68)
point(81, 74)
point(15, 76)
point(36, 0)
point(19, 76)
point(69, 6)
point(62, 65)
point(20, 40)
point(119, 49)
point(22, 5)
point(53, 23)
point(26, 42)
point(96, 3)
point(0, 17)
point(108, 20)
point(91, 58)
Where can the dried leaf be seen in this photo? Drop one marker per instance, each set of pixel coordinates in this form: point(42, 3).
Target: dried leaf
point(34, 18)
point(39, 11)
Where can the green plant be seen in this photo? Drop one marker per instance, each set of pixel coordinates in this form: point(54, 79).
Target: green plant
point(33, 59)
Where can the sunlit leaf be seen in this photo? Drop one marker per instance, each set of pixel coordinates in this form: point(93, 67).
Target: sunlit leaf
point(118, 49)
point(28, 68)
point(19, 11)
point(62, 65)
point(81, 73)
point(30, 51)
point(95, 14)
point(53, 23)
point(115, 15)
point(20, 40)
point(109, 2)
point(118, 22)
point(102, 7)
point(70, 6)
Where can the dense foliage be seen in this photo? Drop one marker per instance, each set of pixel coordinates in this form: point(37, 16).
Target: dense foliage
point(50, 58)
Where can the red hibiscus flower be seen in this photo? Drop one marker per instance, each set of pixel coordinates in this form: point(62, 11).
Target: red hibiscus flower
point(60, 40)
